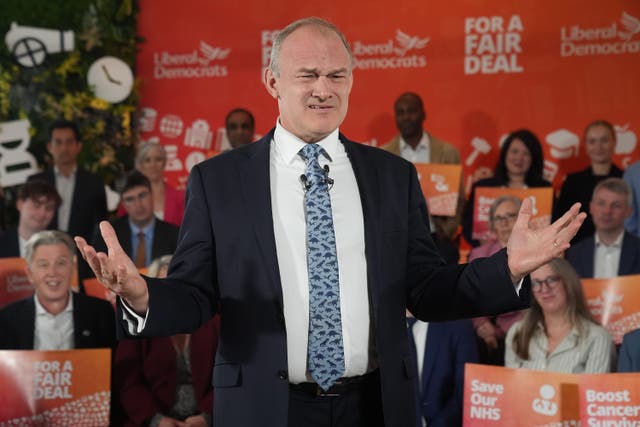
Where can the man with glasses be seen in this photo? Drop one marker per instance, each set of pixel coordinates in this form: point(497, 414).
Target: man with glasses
point(143, 236)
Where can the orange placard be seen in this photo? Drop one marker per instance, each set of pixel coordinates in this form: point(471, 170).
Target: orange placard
point(441, 187)
point(496, 396)
point(542, 199)
point(615, 303)
point(14, 283)
point(610, 399)
point(94, 288)
point(55, 388)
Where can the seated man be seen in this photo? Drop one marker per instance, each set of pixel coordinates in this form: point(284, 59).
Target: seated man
point(144, 237)
point(629, 358)
point(55, 318)
point(37, 204)
point(610, 251)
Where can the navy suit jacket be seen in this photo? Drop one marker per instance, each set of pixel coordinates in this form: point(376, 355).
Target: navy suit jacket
point(449, 346)
point(581, 256)
point(226, 262)
point(9, 243)
point(93, 323)
point(629, 358)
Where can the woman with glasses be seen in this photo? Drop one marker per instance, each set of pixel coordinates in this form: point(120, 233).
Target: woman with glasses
point(558, 332)
point(491, 331)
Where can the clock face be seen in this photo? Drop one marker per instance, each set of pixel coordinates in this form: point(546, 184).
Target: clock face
point(110, 78)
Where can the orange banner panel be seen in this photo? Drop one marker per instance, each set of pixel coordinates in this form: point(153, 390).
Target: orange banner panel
point(610, 400)
point(542, 202)
point(55, 388)
point(14, 283)
point(615, 303)
point(94, 288)
point(441, 187)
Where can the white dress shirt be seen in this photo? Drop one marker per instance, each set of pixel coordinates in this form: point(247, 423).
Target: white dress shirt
point(65, 186)
point(289, 224)
point(53, 332)
point(606, 259)
point(421, 154)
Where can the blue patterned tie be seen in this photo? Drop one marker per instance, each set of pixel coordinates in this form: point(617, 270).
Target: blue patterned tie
point(326, 352)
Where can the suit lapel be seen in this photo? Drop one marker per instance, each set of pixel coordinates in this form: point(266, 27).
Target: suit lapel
point(589, 256)
point(256, 187)
point(432, 346)
point(628, 256)
point(28, 319)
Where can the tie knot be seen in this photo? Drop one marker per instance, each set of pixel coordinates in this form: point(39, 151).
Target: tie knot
point(411, 321)
point(310, 151)
point(140, 234)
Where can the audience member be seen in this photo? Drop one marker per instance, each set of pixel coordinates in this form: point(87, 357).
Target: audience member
point(558, 333)
point(167, 381)
point(441, 349)
point(143, 236)
point(36, 204)
point(610, 251)
point(599, 141)
point(632, 176)
point(84, 201)
point(519, 166)
point(419, 146)
point(629, 358)
point(240, 127)
point(55, 318)
point(492, 330)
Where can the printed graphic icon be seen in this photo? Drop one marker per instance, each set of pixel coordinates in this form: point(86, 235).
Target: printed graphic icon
point(441, 184)
point(174, 163)
point(30, 45)
point(171, 126)
point(199, 135)
point(550, 170)
point(544, 405)
point(147, 121)
point(480, 146)
point(16, 163)
point(193, 159)
point(626, 140)
point(563, 143)
point(631, 24)
point(211, 53)
point(407, 42)
point(111, 79)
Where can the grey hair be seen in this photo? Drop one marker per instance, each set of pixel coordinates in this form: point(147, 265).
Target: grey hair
point(145, 147)
point(310, 21)
point(48, 237)
point(158, 264)
point(500, 200)
point(615, 185)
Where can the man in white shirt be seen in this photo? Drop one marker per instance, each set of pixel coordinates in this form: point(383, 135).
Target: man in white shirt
point(610, 251)
point(55, 318)
point(243, 252)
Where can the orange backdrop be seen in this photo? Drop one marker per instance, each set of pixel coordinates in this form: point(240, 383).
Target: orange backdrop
point(482, 68)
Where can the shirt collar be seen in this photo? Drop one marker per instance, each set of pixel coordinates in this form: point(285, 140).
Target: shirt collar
point(148, 230)
point(287, 145)
point(56, 171)
point(424, 142)
point(616, 243)
point(40, 310)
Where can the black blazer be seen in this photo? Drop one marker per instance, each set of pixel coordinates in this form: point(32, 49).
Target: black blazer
point(93, 323)
point(226, 262)
point(581, 256)
point(88, 205)
point(9, 243)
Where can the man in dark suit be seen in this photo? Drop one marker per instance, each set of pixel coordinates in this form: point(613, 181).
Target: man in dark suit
point(37, 203)
point(55, 318)
point(610, 251)
point(144, 237)
point(84, 202)
point(240, 127)
point(629, 358)
point(442, 349)
point(243, 252)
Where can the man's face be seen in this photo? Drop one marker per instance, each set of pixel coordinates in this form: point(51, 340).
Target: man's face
point(50, 271)
point(314, 83)
point(609, 210)
point(64, 147)
point(138, 202)
point(599, 143)
point(409, 116)
point(239, 129)
point(36, 213)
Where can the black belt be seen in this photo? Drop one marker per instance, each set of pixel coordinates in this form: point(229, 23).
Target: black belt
point(340, 387)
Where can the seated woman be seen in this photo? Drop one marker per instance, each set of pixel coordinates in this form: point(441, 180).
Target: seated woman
point(166, 381)
point(519, 166)
point(491, 331)
point(558, 333)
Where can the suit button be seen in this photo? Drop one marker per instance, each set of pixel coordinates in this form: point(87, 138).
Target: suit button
point(283, 375)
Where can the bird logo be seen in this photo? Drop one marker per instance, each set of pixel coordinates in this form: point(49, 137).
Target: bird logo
point(211, 53)
point(407, 42)
point(631, 24)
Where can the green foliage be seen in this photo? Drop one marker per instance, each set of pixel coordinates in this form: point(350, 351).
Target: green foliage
point(58, 87)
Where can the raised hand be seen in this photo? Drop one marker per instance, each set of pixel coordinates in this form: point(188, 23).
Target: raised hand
point(115, 270)
point(528, 248)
